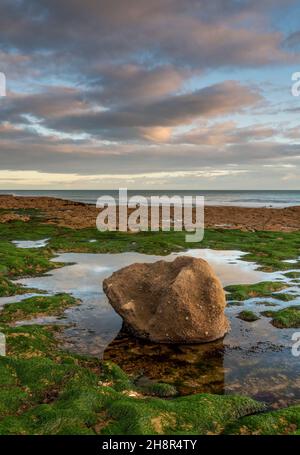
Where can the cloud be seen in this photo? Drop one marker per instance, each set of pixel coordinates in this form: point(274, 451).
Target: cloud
point(220, 134)
point(156, 133)
point(195, 33)
point(71, 110)
point(46, 154)
point(129, 83)
point(49, 102)
point(293, 40)
point(166, 86)
point(212, 101)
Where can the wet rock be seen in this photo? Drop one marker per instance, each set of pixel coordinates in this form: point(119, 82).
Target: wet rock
point(281, 422)
point(170, 302)
point(248, 316)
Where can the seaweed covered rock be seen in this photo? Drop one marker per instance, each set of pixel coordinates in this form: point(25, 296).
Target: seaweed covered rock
point(169, 302)
point(281, 422)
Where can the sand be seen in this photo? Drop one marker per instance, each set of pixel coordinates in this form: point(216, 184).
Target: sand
point(78, 215)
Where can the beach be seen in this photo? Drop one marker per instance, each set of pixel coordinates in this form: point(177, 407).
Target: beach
point(78, 215)
point(55, 317)
point(149, 223)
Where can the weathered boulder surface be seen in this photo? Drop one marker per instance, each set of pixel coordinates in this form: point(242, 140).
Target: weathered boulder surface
point(169, 302)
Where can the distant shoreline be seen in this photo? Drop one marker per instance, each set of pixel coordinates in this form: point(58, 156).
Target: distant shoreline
point(216, 198)
point(78, 215)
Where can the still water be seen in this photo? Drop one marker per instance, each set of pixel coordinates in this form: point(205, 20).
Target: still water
point(254, 358)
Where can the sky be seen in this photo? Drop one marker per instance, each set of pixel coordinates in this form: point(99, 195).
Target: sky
point(160, 94)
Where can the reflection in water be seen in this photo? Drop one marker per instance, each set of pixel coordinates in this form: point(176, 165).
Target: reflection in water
point(254, 358)
point(94, 323)
point(31, 243)
point(192, 368)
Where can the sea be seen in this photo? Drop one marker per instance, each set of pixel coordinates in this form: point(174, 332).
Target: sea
point(240, 198)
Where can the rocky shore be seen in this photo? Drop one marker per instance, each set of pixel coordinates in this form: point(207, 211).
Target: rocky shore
point(49, 388)
point(78, 215)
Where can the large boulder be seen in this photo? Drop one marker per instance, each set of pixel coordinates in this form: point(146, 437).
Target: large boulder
point(169, 302)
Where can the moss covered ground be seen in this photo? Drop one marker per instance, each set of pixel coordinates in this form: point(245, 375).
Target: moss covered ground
point(248, 316)
point(285, 318)
point(264, 289)
point(47, 390)
point(284, 422)
point(260, 245)
point(37, 306)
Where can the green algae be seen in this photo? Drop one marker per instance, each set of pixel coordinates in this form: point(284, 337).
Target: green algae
point(292, 274)
point(157, 389)
point(266, 303)
point(16, 262)
point(195, 414)
point(61, 398)
point(242, 292)
point(248, 316)
point(284, 296)
point(285, 318)
point(7, 288)
point(37, 306)
point(268, 249)
point(259, 245)
point(30, 340)
point(113, 374)
point(281, 422)
point(46, 390)
point(68, 394)
point(24, 262)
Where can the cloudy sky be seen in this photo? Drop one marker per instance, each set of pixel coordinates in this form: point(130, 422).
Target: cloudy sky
point(153, 94)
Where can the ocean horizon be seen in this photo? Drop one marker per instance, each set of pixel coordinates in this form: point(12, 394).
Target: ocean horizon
point(239, 198)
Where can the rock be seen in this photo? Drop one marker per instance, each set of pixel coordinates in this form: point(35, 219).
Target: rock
point(169, 302)
point(8, 217)
point(248, 316)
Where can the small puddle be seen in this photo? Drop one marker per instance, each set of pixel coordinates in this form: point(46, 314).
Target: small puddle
point(31, 243)
point(254, 358)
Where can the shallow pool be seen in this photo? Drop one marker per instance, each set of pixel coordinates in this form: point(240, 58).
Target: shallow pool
point(254, 358)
